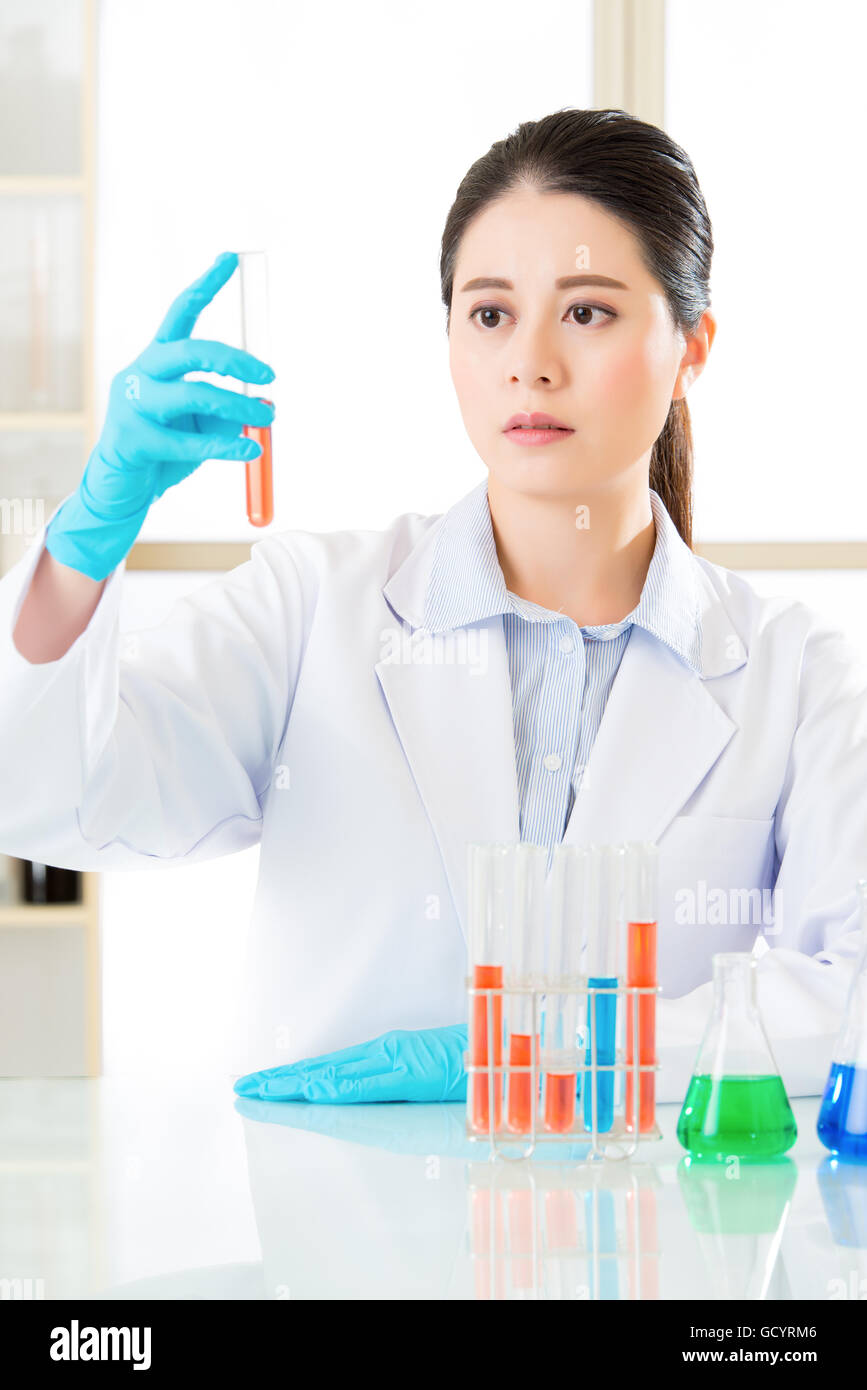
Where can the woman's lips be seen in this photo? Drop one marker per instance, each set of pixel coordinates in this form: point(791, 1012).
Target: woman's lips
point(544, 435)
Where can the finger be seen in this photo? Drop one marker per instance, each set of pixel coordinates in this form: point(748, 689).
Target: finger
point(363, 1069)
point(180, 320)
point(164, 361)
point(337, 1089)
point(153, 443)
point(352, 1063)
point(165, 401)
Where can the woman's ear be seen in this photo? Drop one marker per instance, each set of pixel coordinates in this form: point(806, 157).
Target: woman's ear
point(695, 355)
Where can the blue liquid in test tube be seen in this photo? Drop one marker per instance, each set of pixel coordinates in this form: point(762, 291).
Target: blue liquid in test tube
point(603, 935)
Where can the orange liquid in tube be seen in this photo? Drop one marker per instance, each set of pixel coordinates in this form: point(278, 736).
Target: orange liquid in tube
point(521, 1098)
point(486, 977)
point(260, 485)
point(560, 1101)
point(641, 970)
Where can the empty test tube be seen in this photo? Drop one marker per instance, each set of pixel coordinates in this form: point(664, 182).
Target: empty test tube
point(525, 972)
point(255, 338)
point(563, 1011)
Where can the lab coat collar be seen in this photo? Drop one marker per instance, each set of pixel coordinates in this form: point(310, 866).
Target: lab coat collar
point(456, 580)
point(661, 732)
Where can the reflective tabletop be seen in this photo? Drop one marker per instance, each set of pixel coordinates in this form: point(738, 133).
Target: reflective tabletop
point(145, 1187)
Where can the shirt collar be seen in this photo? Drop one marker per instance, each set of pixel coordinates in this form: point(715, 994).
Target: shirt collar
point(466, 584)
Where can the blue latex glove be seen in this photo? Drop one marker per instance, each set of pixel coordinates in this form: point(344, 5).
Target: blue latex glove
point(424, 1065)
point(158, 429)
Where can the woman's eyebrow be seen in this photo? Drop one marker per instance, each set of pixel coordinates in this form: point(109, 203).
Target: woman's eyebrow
point(566, 282)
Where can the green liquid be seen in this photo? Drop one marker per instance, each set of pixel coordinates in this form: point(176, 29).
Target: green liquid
point(747, 1116)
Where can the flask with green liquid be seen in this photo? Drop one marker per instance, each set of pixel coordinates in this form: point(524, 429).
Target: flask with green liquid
point(736, 1104)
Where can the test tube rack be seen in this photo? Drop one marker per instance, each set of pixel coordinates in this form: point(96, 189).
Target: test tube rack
point(489, 1081)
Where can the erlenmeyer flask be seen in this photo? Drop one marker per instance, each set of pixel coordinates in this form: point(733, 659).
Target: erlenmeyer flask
point(736, 1104)
point(842, 1123)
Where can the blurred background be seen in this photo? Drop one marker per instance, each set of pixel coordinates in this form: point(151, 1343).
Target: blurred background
point(142, 137)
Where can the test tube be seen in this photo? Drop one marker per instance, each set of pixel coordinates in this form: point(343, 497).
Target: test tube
point(641, 888)
point(255, 338)
point(560, 1057)
point(525, 972)
point(489, 879)
point(605, 911)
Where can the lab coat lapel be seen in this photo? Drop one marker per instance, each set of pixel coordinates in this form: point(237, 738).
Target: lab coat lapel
point(660, 734)
point(454, 722)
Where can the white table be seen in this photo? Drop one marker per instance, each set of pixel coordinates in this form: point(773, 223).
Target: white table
point(174, 1188)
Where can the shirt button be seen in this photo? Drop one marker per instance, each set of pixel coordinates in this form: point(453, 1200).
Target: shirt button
point(566, 644)
point(551, 761)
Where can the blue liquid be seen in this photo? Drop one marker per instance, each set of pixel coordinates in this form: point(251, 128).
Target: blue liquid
point(842, 1123)
point(602, 1010)
point(600, 1216)
point(843, 1186)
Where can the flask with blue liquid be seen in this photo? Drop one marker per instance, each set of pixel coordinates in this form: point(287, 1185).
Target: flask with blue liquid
point(842, 1123)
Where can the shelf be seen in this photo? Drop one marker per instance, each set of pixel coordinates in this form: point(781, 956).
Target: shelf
point(43, 420)
point(14, 185)
point(44, 914)
point(53, 218)
point(44, 1165)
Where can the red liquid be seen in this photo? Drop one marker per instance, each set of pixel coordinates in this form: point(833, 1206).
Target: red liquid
point(642, 1243)
point(522, 1220)
point(486, 977)
point(561, 1218)
point(641, 970)
point(560, 1102)
point(520, 1114)
point(488, 1242)
point(260, 482)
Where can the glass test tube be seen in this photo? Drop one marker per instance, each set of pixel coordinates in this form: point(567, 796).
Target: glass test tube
point(525, 972)
point(560, 1057)
point(640, 889)
point(605, 909)
point(489, 879)
point(255, 338)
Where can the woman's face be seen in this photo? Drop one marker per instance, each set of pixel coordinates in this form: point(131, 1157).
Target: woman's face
point(603, 360)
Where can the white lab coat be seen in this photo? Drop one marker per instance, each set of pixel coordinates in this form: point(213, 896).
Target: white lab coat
point(276, 704)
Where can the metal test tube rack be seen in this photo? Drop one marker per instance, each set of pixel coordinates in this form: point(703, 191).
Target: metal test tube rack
point(623, 1140)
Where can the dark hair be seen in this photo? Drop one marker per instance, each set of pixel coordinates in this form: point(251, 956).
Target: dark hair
point(637, 173)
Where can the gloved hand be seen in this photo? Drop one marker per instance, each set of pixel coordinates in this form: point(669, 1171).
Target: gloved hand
point(424, 1065)
point(157, 430)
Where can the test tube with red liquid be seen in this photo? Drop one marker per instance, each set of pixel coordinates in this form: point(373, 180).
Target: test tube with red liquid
point(564, 1011)
point(641, 887)
point(255, 338)
point(489, 878)
point(525, 974)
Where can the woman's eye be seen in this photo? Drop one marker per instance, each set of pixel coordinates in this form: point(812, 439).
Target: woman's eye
point(484, 310)
point(590, 309)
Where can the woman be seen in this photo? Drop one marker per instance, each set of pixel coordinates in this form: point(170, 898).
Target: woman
point(548, 658)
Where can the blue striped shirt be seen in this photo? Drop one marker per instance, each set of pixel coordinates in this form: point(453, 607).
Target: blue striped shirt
point(561, 674)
